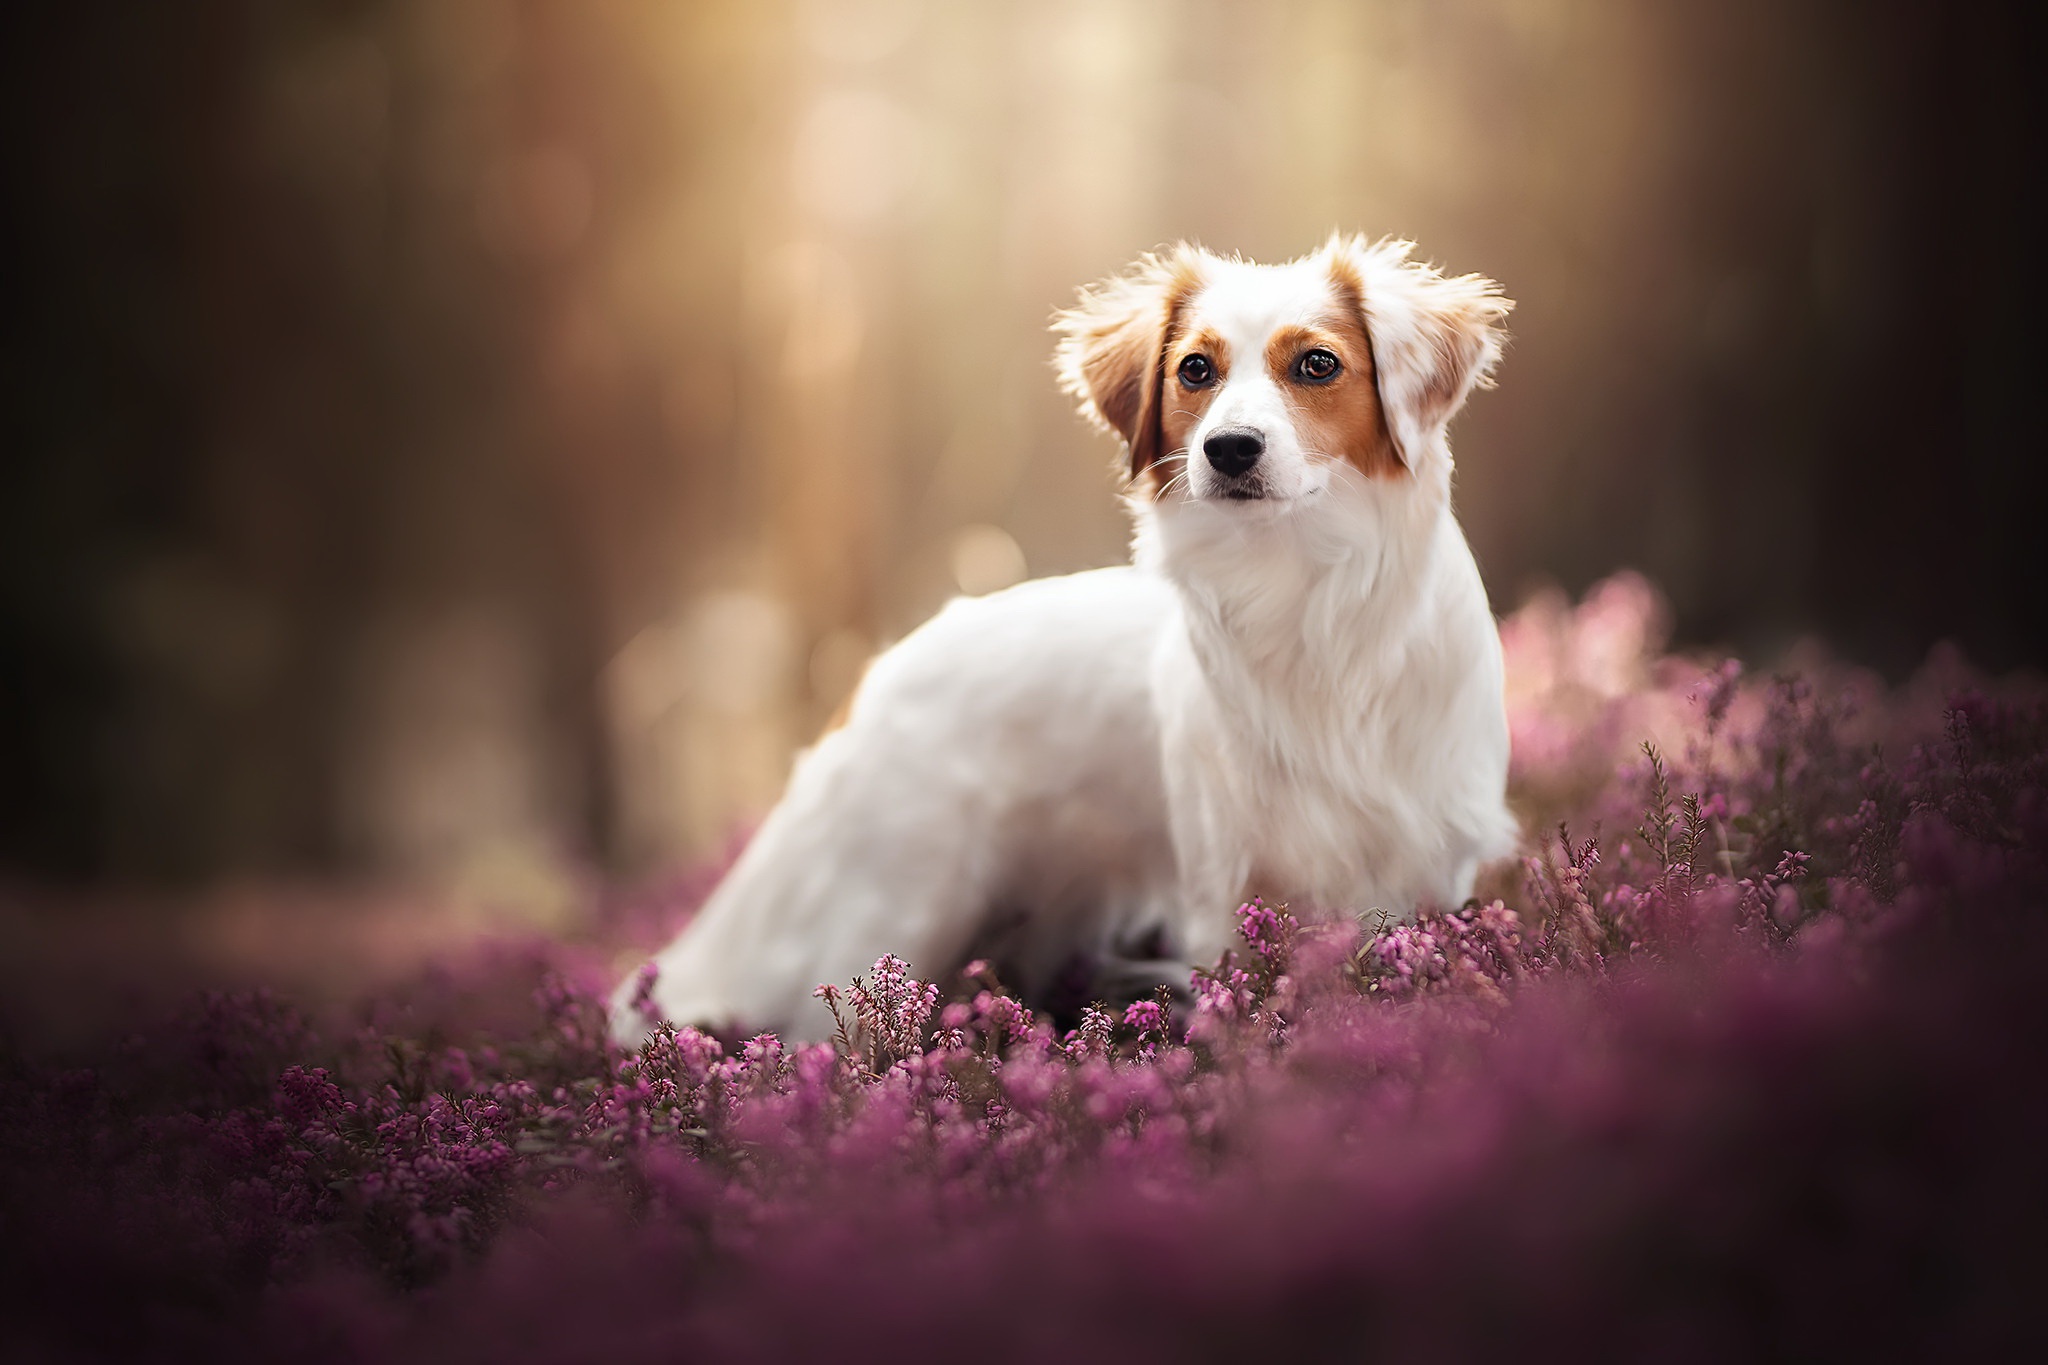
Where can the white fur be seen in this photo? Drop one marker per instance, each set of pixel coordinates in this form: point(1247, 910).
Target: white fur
point(1299, 696)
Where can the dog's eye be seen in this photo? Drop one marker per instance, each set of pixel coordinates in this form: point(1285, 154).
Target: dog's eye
point(1196, 371)
point(1317, 366)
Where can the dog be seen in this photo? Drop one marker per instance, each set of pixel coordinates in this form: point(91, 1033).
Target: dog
point(1294, 690)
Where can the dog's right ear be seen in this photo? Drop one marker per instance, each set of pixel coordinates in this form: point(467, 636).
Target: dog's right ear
point(1112, 347)
point(1434, 338)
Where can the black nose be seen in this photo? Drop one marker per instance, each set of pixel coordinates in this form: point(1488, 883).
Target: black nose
point(1233, 450)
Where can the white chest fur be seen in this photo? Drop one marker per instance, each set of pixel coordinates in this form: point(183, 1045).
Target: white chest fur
point(1332, 725)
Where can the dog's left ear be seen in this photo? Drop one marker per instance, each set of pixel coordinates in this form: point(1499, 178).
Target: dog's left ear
point(1434, 337)
point(1112, 347)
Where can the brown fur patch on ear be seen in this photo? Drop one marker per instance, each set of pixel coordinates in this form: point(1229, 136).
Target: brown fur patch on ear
point(1112, 346)
point(1434, 339)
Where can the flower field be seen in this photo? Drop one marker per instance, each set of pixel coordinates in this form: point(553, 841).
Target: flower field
point(1745, 1056)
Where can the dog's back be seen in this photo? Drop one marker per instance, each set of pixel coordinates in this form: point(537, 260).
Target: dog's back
point(997, 777)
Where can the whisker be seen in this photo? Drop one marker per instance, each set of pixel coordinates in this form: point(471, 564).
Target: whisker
point(1182, 456)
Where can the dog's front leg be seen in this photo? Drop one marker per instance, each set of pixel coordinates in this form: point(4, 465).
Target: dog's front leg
point(1212, 862)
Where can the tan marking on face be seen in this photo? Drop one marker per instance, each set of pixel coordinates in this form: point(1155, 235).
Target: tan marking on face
point(1167, 439)
point(1340, 419)
point(1114, 343)
point(1203, 341)
point(1181, 408)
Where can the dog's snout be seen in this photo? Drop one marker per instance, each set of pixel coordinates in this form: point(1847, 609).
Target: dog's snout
point(1233, 450)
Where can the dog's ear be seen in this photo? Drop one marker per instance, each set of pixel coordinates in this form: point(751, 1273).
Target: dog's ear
point(1434, 339)
point(1112, 347)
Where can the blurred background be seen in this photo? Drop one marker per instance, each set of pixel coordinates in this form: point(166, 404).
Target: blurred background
point(470, 445)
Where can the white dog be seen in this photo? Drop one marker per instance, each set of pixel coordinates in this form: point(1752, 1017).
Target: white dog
point(1294, 691)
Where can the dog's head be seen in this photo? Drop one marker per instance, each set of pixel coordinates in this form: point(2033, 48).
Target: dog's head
point(1237, 383)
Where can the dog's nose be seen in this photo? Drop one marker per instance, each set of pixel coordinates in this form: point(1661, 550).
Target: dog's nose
point(1233, 450)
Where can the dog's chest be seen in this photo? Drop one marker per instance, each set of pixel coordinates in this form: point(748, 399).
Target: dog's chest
point(1348, 831)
